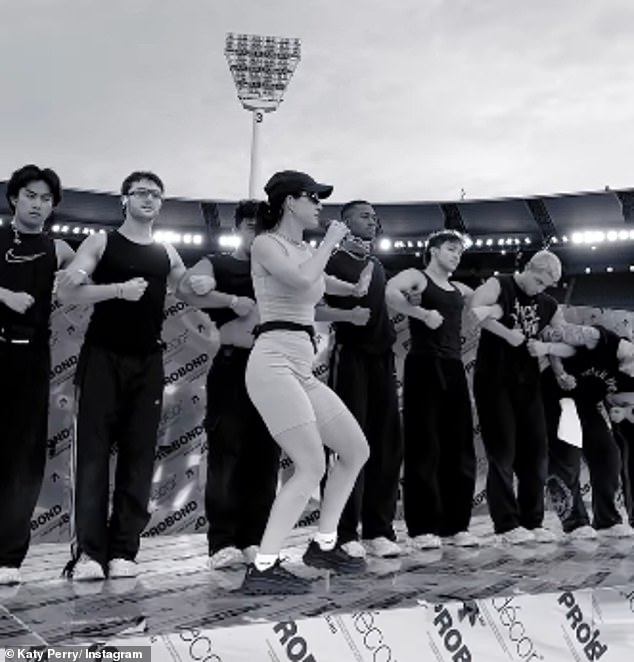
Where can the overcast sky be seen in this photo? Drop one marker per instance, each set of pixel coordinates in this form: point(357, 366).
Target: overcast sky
point(394, 100)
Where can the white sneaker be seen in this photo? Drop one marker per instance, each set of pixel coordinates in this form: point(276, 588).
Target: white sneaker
point(227, 557)
point(427, 541)
point(543, 535)
point(463, 539)
point(382, 547)
point(517, 536)
point(9, 576)
point(87, 569)
point(617, 531)
point(249, 553)
point(122, 569)
point(582, 533)
point(354, 548)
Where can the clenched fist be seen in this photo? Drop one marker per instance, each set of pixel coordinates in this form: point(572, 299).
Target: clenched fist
point(432, 318)
point(133, 290)
point(19, 302)
point(336, 232)
point(359, 316)
point(202, 284)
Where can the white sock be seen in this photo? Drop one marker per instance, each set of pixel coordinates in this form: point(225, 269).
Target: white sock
point(264, 561)
point(326, 541)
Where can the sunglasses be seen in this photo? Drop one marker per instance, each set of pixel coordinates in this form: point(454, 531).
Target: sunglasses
point(313, 197)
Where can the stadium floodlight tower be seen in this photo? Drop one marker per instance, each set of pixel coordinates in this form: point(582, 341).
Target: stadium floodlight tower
point(262, 68)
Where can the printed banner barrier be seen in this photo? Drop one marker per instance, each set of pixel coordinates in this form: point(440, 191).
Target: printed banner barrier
point(177, 501)
point(553, 627)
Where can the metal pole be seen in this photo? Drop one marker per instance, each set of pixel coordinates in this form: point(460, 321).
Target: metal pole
point(258, 117)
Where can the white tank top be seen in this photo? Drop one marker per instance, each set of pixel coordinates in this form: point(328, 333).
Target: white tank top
point(278, 301)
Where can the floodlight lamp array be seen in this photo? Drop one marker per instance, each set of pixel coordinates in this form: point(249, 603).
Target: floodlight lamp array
point(262, 68)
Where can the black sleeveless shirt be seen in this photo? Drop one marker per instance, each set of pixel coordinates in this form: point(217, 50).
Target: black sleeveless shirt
point(232, 276)
point(29, 267)
point(378, 335)
point(499, 360)
point(130, 327)
point(445, 341)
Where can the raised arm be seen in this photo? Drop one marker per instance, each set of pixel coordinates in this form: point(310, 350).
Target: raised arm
point(270, 254)
point(401, 289)
point(342, 288)
point(71, 285)
point(65, 254)
point(197, 289)
point(552, 348)
point(177, 269)
point(577, 335)
point(487, 295)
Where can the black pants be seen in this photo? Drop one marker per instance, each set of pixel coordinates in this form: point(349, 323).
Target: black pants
point(24, 394)
point(602, 455)
point(513, 427)
point(624, 435)
point(243, 459)
point(439, 469)
point(119, 402)
point(367, 385)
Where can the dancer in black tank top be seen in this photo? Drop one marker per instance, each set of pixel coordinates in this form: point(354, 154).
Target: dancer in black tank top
point(362, 374)
point(596, 374)
point(508, 396)
point(29, 259)
point(119, 379)
point(242, 458)
point(439, 467)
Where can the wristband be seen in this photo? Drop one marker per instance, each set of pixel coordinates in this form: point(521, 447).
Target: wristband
point(83, 272)
point(233, 302)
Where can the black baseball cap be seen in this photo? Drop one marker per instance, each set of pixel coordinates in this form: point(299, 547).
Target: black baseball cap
point(292, 182)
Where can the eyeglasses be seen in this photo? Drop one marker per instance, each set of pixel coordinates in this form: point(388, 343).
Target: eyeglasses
point(146, 193)
point(313, 197)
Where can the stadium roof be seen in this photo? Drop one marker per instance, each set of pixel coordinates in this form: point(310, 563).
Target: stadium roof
point(538, 217)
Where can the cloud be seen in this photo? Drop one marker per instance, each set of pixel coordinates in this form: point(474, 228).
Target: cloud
point(392, 101)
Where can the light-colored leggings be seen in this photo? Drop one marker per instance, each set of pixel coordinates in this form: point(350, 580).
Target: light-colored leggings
point(281, 384)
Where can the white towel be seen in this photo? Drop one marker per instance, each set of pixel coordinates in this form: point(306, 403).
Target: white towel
point(569, 429)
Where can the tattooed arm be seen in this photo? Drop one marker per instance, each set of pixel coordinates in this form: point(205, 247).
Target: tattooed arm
point(572, 334)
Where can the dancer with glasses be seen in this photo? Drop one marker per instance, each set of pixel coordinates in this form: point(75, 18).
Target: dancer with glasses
point(302, 414)
point(119, 379)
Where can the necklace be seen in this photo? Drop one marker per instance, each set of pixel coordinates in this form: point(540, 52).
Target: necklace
point(299, 244)
point(363, 247)
point(16, 235)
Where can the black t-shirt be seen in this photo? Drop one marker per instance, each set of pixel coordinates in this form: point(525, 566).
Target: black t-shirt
point(624, 384)
point(377, 336)
point(496, 358)
point(595, 370)
point(232, 276)
point(28, 266)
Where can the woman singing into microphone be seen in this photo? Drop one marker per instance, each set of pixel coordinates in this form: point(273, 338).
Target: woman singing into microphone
point(302, 414)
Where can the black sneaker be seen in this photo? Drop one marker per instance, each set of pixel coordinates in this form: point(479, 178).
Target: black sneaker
point(336, 559)
point(275, 580)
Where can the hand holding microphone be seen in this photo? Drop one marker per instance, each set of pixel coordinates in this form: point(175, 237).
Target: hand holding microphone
point(336, 231)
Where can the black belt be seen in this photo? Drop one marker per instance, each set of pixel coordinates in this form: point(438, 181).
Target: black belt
point(283, 325)
point(233, 350)
point(20, 336)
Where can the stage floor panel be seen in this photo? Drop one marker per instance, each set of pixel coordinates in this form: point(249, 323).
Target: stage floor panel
point(176, 593)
